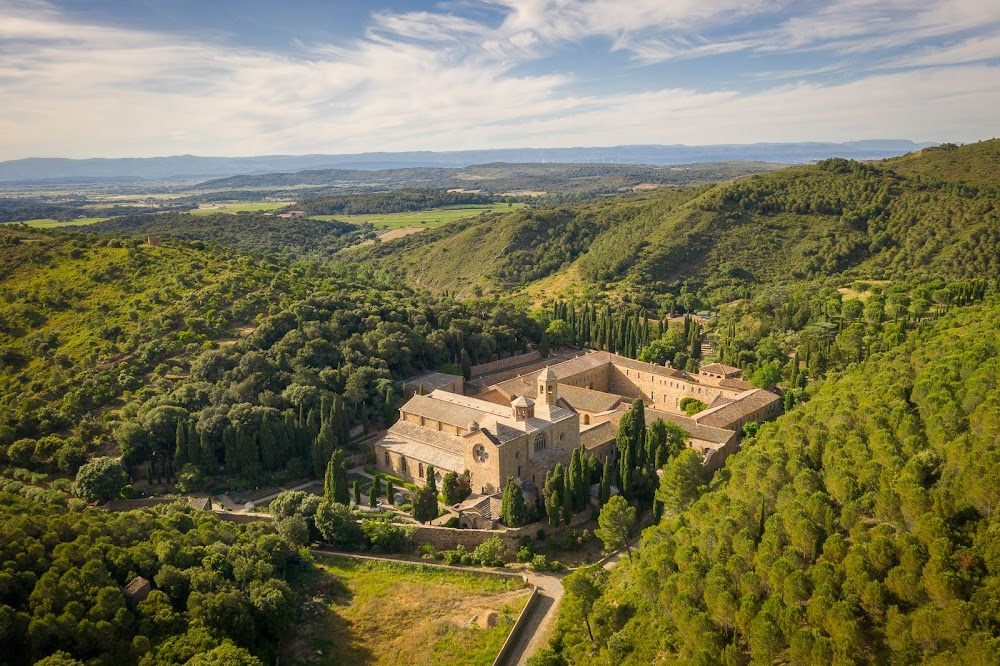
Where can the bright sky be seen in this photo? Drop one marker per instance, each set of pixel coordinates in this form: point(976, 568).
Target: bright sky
point(113, 78)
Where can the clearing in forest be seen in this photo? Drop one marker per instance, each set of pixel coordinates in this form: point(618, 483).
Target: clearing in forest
point(372, 612)
point(436, 217)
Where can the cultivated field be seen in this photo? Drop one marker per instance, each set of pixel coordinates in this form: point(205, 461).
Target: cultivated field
point(47, 223)
point(373, 613)
point(427, 218)
point(255, 207)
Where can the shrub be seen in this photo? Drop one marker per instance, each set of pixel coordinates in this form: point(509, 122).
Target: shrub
point(452, 557)
point(524, 555)
point(468, 559)
point(492, 550)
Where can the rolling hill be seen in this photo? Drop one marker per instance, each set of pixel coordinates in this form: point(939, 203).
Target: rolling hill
point(836, 218)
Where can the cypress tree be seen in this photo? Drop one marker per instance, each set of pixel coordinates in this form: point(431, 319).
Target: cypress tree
point(605, 493)
point(583, 482)
point(625, 473)
point(466, 364)
point(180, 445)
point(207, 455)
point(335, 483)
point(357, 494)
point(431, 480)
point(373, 493)
point(553, 508)
point(390, 491)
point(193, 443)
point(567, 507)
point(513, 510)
point(573, 480)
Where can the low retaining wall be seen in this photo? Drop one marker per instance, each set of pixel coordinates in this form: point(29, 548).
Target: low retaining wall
point(517, 629)
point(447, 538)
point(242, 518)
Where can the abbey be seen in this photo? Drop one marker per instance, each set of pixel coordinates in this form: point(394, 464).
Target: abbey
point(523, 426)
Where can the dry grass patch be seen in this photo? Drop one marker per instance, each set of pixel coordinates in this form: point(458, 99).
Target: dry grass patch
point(368, 612)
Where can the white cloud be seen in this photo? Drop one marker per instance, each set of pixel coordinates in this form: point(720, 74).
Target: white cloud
point(438, 81)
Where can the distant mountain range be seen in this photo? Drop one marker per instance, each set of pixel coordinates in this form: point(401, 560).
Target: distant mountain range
point(192, 167)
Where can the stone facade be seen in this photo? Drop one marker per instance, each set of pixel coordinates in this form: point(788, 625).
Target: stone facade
point(528, 424)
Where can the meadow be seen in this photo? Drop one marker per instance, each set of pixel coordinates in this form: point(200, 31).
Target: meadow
point(372, 613)
point(248, 207)
point(436, 217)
point(48, 223)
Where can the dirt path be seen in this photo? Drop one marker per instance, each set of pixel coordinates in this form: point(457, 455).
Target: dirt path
point(541, 621)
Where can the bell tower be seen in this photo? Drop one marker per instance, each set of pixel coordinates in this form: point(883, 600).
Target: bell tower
point(548, 387)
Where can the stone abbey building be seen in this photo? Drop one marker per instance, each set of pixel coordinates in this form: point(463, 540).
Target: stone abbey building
point(523, 426)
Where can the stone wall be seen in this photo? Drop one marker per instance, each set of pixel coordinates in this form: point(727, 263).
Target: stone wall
point(242, 518)
point(505, 363)
point(447, 538)
point(518, 629)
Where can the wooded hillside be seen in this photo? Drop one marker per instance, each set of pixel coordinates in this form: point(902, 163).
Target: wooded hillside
point(859, 528)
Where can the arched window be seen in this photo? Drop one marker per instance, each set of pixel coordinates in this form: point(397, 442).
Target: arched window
point(540, 442)
point(388, 461)
point(586, 419)
point(402, 466)
point(420, 470)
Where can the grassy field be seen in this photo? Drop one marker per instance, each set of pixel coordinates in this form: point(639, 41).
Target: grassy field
point(375, 613)
point(48, 223)
point(427, 218)
point(255, 207)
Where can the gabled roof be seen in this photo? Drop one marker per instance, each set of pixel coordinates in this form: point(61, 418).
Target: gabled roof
point(598, 435)
point(727, 414)
point(719, 369)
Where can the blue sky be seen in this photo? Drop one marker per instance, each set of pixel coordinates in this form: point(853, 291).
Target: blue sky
point(89, 78)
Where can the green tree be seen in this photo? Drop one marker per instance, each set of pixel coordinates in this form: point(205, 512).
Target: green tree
point(425, 506)
point(337, 525)
point(335, 487)
point(767, 375)
point(692, 406)
point(491, 551)
point(466, 364)
point(615, 524)
point(449, 488)
point(190, 479)
point(681, 481)
point(584, 586)
point(357, 493)
point(295, 530)
point(101, 479)
point(432, 479)
point(513, 510)
point(373, 491)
